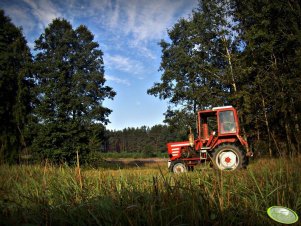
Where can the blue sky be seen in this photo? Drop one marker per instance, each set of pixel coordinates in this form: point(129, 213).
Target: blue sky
point(128, 32)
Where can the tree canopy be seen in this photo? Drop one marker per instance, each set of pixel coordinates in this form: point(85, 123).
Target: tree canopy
point(69, 73)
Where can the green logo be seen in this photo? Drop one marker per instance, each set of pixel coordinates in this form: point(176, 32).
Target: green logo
point(282, 214)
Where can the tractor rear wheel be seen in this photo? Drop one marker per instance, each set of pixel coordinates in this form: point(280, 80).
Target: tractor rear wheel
point(178, 167)
point(228, 157)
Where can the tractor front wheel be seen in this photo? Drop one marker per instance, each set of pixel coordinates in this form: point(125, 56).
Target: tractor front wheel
point(178, 167)
point(228, 157)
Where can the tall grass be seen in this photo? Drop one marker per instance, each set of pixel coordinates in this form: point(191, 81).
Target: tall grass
point(148, 195)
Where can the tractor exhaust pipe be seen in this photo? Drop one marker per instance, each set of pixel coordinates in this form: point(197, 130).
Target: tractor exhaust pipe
point(191, 138)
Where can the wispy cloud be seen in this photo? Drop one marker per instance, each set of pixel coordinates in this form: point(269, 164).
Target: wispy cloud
point(142, 21)
point(135, 23)
point(117, 80)
point(20, 15)
point(125, 64)
point(149, 20)
point(139, 21)
point(115, 15)
point(45, 11)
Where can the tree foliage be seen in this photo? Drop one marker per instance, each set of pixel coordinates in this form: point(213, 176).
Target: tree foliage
point(71, 88)
point(272, 59)
point(15, 85)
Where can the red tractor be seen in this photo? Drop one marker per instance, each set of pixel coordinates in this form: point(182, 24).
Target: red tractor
point(218, 141)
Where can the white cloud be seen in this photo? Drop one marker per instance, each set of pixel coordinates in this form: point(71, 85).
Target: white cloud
point(125, 64)
point(115, 15)
point(117, 80)
point(44, 11)
point(150, 19)
point(139, 21)
point(122, 25)
point(20, 17)
point(142, 49)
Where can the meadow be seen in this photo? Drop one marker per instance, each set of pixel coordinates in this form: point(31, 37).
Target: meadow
point(147, 194)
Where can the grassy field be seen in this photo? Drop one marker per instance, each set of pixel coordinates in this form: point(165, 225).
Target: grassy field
point(147, 194)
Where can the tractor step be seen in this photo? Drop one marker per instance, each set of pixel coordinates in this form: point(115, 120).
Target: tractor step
point(203, 154)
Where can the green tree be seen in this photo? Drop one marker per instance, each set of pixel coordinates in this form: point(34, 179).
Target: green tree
point(271, 59)
point(15, 85)
point(198, 68)
point(71, 89)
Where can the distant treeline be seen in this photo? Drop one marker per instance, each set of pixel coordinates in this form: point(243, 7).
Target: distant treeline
point(148, 140)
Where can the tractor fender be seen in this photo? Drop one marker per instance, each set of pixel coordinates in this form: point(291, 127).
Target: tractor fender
point(217, 142)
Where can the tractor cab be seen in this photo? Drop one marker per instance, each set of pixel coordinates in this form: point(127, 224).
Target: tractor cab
point(218, 140)
point(218, 122)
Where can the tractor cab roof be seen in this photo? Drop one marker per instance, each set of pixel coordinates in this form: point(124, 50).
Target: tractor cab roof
point(214, 110)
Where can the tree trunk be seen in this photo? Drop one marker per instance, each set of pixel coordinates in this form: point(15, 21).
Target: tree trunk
point(288, 140)
point(229, 58)
point(296, 133)
point(267, 125)
point(257, 130)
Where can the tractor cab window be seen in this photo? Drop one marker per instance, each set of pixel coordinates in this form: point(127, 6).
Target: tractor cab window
point(208, 124)
point(227, 122)
point(212, 125)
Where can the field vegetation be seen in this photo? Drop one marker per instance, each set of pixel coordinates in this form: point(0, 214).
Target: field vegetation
point(147, 194)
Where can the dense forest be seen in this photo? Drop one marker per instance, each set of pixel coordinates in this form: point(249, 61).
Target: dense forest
point(228, 52)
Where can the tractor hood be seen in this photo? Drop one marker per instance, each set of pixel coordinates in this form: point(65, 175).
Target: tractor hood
point(174, 149)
